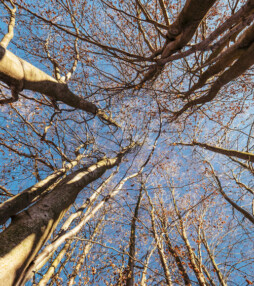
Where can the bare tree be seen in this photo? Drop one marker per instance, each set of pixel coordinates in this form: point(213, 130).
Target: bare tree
point(126, 142)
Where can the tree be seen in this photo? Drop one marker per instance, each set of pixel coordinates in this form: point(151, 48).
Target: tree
point(127, 142)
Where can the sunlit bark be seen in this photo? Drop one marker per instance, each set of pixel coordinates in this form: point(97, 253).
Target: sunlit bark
point(32, 228)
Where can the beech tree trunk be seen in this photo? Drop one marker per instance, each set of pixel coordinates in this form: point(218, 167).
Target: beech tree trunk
point(19, 74)
point(29, 230)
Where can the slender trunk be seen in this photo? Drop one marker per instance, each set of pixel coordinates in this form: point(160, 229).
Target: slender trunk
point(85, 251)
point(172, 250)
point(69, 253)
point(207, 273)
point(232, 153)
point(199, 275)
point(178, 260)
point(130, 271)
point(159, 244)
point(245, 213)
point(215, 266)
point(54, 265)
point(143, 278)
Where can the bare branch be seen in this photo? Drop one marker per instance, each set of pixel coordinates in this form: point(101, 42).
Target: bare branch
point(230, 153)
point(8, 37)
point(245, 213)
point(6, 192)
point(27, 76)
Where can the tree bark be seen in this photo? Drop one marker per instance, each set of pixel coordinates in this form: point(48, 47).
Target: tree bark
point(22, 200)
point(22, 240)
point(130, 272)
point(19, 74)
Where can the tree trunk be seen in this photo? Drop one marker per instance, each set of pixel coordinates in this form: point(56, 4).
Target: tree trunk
point(22, 240)
point(19, 75)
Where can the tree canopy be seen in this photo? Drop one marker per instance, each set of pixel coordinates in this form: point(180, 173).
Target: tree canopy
point(126, 142)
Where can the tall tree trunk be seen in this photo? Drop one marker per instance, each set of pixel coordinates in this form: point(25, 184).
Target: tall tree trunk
point(22, 200)
point(130, 272)
point(22, 240)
